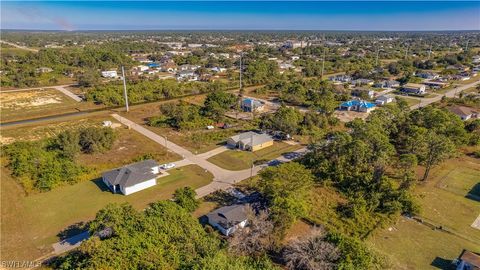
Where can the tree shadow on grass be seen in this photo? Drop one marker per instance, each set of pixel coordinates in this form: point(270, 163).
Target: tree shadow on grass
point(442, 263)
point(474, 193)
point(72, 230)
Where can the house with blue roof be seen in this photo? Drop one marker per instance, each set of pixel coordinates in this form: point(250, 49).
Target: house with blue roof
point(250, 105)
point(153, 65)
point(357, 105)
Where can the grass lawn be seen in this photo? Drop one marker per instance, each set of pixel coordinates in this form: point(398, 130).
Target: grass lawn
point(239, 160)
point(410, 101)
point(443, 202)
point(30, 224)
point(22, 105)
point(411, 245)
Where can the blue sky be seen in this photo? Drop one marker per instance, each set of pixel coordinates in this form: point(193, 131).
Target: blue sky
point(240, 15)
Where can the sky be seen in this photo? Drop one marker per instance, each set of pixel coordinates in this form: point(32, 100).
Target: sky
point(240, 15)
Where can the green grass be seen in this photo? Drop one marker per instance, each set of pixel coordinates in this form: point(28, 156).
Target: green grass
point(410, 101)
point(443, 202)
point(30, 223)
point(411, 245)
point(239, 160)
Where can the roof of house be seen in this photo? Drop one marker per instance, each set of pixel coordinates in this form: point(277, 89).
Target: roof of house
point(229, 216)
point(356, 102)
point(470, 258)
point(131, 174)
point(385, 97)
point(461, 110)
point(251, 102)
point(248, 137)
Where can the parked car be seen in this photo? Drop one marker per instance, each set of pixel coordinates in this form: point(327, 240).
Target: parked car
point(167, 166)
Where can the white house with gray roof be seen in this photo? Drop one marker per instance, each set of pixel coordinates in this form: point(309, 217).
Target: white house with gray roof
point(133, 177)
point(228, 219)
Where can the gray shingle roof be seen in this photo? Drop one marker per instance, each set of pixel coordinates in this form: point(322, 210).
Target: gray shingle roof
point(247, 137)
point(131, 174)
point(228, 216)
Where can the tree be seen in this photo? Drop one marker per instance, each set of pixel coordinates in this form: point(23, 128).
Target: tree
point(88, 78)
point(255, 238)
point(68, 143)
point(285, 119)
point(185, 197)
point(217, 103)
point(435, 149)
point(312, 253)
point(93, 139)
point(287, 189)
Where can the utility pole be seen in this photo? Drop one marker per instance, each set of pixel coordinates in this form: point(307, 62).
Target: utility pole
point(376, 60)
point(251, 148)
point(241, 56)
point(323, 61)
point(466, 47)
point(429, 51)
point(406, 52)
point(125, 88)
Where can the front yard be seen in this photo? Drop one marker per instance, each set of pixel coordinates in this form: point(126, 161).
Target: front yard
point(30, 224)
point(236, 160)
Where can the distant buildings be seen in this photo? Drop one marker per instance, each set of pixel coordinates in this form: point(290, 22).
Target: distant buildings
point(357, 105)
point(383, 100)
point(387, 84)
point(109, 74)
point(414, 88)
point(464, 113)
point(363, 92)
point(250, 105)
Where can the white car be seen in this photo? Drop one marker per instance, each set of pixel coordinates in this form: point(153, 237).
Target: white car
point(167, 166)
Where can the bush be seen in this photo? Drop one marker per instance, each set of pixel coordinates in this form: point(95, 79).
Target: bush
point(94, 139)
point(185, 197)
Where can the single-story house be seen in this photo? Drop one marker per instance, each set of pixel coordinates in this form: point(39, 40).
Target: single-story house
point(360, 92)
point(228, 219)
point(250, 141)
point(133, 177)
point(414, 88)
point(109, 74)
point(385, 99)
point(357, 105)
point(435, 84)
point(250, 105)
point(362, 81)
point(463, 112)
point(387, 84)
point(468, 261)
point(153, 65)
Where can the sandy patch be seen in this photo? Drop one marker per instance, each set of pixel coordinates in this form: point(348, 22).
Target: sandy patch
point(22, 100)
point(476, 223)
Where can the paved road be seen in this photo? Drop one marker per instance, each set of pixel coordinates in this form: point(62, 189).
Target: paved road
point(451, 93)
point(70, 243)
point(18, 46)
point(222, 178)
point(66, 92)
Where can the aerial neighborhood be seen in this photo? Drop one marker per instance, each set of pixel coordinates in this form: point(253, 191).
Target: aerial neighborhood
point(236, 149)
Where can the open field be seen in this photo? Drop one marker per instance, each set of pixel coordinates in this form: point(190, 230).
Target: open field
point(239, 160)
point(410, 101)
point(36, 131)
point(411, 245)
point(444, 202)
point(30, 224)
point(38, 103)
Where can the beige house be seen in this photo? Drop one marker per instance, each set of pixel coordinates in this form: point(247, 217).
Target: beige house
point(250, 141)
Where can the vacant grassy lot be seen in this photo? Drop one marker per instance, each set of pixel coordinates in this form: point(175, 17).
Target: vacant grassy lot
point(411, 245)
point(444, 202)
point(410, 101)
point(30, 224)
point(239, 160)
point(22, 105)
